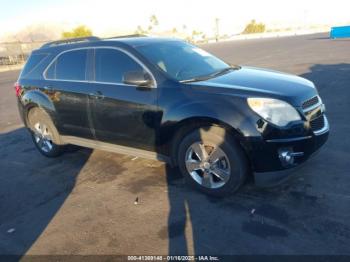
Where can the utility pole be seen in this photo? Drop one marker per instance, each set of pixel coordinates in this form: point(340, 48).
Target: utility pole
point(217, 29)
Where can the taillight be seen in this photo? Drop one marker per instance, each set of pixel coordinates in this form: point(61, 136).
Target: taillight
point(18, 89)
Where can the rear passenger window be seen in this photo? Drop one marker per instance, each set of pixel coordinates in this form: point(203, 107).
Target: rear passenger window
point(111, 64)
point(70, 65)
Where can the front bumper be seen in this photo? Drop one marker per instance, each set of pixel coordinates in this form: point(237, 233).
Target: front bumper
point(265, 155)
point(274, 178)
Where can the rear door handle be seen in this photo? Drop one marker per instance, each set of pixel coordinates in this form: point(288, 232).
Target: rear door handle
point(97, 95)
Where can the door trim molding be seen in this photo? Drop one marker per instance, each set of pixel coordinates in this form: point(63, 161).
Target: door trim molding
point(94, 144)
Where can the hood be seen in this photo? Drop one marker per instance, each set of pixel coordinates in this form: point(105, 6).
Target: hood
point(253, 81)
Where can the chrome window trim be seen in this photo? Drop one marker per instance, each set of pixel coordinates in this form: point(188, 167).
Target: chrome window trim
point(99, 82)
point(55, 59)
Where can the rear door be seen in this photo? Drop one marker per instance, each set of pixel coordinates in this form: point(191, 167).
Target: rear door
point(122, 114)
point(68, 88)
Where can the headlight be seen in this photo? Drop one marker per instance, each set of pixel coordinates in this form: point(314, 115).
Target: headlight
point(275, 111)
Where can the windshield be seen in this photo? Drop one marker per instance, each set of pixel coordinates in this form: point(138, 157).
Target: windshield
point(182, 61)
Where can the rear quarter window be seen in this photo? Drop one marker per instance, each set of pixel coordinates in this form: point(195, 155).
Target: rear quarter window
point(33, 62)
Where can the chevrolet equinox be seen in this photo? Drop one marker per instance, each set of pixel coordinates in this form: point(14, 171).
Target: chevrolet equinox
point(169, 100)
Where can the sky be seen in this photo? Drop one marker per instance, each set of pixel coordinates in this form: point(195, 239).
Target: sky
point(105, 17)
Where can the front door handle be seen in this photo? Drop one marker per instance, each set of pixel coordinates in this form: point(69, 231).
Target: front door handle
point(97, 95)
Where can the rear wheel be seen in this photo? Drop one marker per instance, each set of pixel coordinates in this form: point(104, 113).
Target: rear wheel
point(44, 133)
point(212, 161)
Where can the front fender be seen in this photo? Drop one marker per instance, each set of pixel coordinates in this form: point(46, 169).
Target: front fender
point(232, 112)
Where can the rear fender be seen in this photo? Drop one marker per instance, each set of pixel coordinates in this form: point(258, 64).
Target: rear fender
point(36, 98)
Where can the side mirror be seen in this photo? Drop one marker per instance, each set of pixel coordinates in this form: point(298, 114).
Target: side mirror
point(137, 78)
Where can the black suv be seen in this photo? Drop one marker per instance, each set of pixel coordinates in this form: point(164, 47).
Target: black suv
point(169, 100)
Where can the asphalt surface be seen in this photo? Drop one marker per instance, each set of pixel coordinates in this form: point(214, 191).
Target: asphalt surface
point(84, 201)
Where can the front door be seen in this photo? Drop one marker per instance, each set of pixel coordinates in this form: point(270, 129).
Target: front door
point(122, 114)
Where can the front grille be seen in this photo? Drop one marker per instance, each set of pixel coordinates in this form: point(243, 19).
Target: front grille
point(317, 123)
point(311, 102)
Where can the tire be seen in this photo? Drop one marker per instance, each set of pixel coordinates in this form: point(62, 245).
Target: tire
point(212, 161)
point(44, 133)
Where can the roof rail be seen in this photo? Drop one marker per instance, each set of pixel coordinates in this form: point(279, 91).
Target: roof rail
point(126, 36)
point(70, 41)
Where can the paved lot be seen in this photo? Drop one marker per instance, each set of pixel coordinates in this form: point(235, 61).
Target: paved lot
point(83, 202)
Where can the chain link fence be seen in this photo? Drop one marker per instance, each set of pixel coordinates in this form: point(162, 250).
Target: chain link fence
point(16, 53)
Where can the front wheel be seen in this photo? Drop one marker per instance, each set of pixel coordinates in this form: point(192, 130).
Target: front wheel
point(212, 161)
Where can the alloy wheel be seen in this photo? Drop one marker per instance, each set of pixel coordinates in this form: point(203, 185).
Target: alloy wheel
point(43, 137)
point(208, 165)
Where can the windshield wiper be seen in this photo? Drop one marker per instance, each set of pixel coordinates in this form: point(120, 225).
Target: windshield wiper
point(222, 71)
point(215, 74)
point(195, 79)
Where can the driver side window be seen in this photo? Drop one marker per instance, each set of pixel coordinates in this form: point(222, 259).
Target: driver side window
point(111, 64)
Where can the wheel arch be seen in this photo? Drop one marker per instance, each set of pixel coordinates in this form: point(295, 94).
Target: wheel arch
point(33, 99)
point(188, 125)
